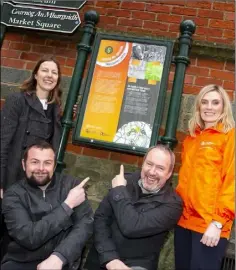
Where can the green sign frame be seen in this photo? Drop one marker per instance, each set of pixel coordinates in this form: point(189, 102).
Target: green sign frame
point(146, 64)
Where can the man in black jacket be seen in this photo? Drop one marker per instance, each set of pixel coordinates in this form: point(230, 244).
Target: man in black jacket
point(132, 221)
point(47, 216)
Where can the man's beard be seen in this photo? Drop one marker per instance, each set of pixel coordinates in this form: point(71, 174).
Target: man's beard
point(33, 181)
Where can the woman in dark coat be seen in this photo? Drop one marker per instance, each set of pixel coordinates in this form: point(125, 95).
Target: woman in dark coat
point(32, 114)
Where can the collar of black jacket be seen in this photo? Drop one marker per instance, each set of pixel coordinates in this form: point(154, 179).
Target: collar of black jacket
point(34, 102)
point(132, 185)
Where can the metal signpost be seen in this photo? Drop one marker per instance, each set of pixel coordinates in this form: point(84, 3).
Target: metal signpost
point(52, 3)
point(63, 21)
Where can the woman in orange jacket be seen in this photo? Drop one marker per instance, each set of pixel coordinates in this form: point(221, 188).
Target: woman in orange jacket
point(206, 183)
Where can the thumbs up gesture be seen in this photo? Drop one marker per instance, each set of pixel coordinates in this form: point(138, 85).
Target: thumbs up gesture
point(119, 179)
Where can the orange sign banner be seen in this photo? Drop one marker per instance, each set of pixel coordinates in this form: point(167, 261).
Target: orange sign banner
point(107, 90)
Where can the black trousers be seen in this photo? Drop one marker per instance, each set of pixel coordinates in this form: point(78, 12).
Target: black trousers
point(191, 254)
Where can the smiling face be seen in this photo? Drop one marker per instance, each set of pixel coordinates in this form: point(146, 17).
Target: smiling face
point(39, 166)
point(46, 77)
point(211, 108)
point(156, 169)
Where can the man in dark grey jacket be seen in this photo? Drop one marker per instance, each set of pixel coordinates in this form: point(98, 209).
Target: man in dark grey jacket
point(132, 221)
point(47, 216)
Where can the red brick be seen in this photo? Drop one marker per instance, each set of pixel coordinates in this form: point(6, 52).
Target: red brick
point(10, 53)
point(177, 167)
point(169, 18)
point(180, 136)
point(73, 46)
point(100, 10)
point(202, 71)
point(42, 49)
point(173, 2)
point(34, 39)
point(184, 11)
point(224, 75)
point(74, 148)
point(133, 5)
point(140, 162)
point(119, 13)
point(96, 153)
point(193, 61)
point(67, 71)
point(202, 62)
point(132, 22)
point(230, 16)
point(70, 62)
point(202, 81)
point(57, 43)
point(65, 53)
point(20, 46)
point(229, 85)
point(160, 8)
point(174, 27)
point(61, 60)
point(209, 31)
point(130, 159)
point(171, 76)
point(188, 79)
point(108, 4)
point(14, 63)
point(177, 157)
point(108, 20)
point(230, 66)
point(30, 65)
point(30, 56)
point(229, 33)
point(189, 89)
point(2, 103)
point(211, 14)
point(138, 30)
point(5, 44)
point(118, 28)
point(160, 33)
point(143, 15)
point(199, 4)
point(156, 25)
point(224, 6)
point(231, 95)
point(221, 24)
point(13, 36)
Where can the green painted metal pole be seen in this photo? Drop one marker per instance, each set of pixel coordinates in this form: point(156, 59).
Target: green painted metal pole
point(3, 32)
point(187, 29)
point(91, 19)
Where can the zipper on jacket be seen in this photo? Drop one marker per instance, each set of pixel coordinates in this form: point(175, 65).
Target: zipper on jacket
point(43, 194)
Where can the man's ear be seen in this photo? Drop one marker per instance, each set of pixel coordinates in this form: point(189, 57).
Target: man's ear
point(23, 164)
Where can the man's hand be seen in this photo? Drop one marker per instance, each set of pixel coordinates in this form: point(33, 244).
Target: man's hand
point(119, 179)
point(53, 263)
point(116, 265)
point(76, 195)
point(211, 236)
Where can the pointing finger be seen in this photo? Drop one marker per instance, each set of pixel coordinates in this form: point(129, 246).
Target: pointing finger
point(122, 170)
point(83, 182)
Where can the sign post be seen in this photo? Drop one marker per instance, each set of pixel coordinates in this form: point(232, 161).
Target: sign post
point(37, 18)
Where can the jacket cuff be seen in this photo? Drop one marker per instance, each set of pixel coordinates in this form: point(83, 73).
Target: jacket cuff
point(68, 210)
point(61, 257)
point(118, 193)
point(107, 256)
point(219, 219)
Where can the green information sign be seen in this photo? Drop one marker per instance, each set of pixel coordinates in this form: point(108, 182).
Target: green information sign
point(55, 20)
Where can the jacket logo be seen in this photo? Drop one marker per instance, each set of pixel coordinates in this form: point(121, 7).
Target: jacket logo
point(206, 143)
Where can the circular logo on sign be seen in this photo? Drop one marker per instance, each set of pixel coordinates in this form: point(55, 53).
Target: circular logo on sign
point(109, 50)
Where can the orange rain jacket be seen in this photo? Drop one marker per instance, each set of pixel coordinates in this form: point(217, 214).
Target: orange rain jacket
point(206, 180)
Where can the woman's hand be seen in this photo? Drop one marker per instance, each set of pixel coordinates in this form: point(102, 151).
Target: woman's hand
point(211, 236)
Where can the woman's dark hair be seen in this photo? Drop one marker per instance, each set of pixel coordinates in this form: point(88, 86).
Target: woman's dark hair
point(29, 85)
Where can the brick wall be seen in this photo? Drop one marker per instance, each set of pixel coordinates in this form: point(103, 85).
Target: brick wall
point(211, 56)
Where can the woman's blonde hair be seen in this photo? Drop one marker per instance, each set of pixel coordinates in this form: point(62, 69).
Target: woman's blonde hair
point(226, 117)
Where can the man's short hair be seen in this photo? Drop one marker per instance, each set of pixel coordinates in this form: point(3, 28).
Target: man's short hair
point(40, 145)
point(164, 148)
